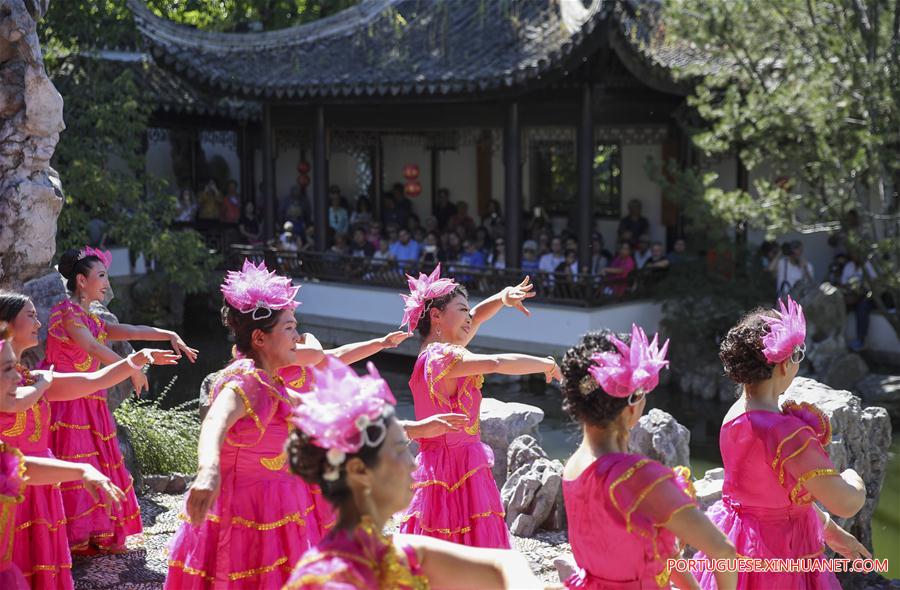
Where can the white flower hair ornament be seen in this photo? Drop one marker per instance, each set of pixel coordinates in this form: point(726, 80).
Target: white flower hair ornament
point(257, 291)
point(339, 413)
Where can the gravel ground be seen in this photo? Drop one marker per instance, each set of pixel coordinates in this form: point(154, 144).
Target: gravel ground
point(144, 566)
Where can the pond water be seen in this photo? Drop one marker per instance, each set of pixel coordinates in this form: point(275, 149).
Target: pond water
point(559, 435)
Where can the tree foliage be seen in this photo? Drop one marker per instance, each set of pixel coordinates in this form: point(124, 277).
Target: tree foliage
point(807, 93)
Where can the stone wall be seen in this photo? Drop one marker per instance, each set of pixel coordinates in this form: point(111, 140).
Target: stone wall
point(30, 123)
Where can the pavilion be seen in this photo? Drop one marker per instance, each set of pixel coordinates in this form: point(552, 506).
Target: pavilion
point(556, 104)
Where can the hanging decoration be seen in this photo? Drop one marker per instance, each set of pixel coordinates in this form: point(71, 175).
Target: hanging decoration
point(412, 188)
point(411, 172)
point(303, 180)
point(303, 167)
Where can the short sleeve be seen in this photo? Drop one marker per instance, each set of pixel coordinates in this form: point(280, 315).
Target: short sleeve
point(440, 358)
point(795, 450)
point(66, 313)
point(240, 376)
point(648, 493)
point(322, 572)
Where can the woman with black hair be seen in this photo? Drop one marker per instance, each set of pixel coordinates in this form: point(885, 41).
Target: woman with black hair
point(456, 497)
point(625, 510)
point(83, 429)
point(348, 442)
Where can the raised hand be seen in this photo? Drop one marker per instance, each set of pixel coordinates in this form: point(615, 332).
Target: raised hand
point(394, 339)
point(516, 296)
point(43, 379)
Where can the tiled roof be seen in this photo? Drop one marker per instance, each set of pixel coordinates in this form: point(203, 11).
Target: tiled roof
point(414, 48)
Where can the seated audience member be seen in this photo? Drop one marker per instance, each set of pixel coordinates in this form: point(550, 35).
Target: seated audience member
point(529, 256)
point(405, 249)
point(642, 253)
point(679, 254)
point(360, 247)
point(287, 240)
point(618, 271)
point(658, 260)
point(553, 258)
point(431, 252)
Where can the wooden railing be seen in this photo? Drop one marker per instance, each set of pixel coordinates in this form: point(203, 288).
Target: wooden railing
point(559, 288)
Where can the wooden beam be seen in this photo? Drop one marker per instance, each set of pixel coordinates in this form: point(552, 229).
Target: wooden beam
point(585, 159)
point(268, 163)
point(320, 179)
point(512, 160)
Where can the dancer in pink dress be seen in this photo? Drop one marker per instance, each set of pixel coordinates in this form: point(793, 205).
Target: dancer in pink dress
point(83, 429)
point(41, 547)
point(775, 462)
point(626, 512)
point(456, 497)
point(249, 519)
point(54, 570)
point(348, 442)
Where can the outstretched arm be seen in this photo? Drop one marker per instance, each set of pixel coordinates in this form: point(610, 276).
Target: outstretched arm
point(45, 471)
point(514, 296)
point(308, 352)
point(129, 332)
point(28, 395)
point(357, 351)
point(505, 364)
point(69, 386)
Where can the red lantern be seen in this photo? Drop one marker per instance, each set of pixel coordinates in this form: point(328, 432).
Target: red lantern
point(411, 171)
point(303, 180)
point(412, 188)
point(303, 167)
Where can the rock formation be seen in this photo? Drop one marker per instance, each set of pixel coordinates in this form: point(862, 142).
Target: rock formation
point(30, 123)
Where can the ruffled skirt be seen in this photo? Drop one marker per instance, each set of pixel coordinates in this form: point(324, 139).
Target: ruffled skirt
point(83, 431)
point(40, 549)
point(794, 532)
point(252, 538)
point(12, 579)
point(456, 497)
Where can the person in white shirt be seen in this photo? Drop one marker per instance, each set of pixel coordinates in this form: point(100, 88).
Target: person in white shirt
point(642, 254)
point(857, 297)
point(793, 268)
point(553, 258)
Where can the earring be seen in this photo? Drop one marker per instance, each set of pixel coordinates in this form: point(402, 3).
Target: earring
point(439, 332)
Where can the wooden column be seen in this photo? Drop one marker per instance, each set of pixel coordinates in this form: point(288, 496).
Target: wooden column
point(585, 159)
point(512, 161)
point(377, 177)
point(435, 178)
point(320, 179)
point(271, 201)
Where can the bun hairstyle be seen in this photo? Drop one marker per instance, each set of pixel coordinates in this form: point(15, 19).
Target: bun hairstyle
point(242, 326)
point(741, 351)
point(70, 266)
point(309, 461)
point(11, 303)
point(596, 407)
point(439, 303)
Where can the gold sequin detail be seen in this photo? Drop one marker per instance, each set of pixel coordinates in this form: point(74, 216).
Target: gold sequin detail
point(296, 518)
point(275, 463)
point(18, 427)
point(804, 498)
point(259, 570)
point(36, 413)
point(449, 487)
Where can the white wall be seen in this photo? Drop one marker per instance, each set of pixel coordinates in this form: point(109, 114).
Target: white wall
point(637, 185)
point(342, 172)
point(286, 173)
point(458, 173)
point(158, 162)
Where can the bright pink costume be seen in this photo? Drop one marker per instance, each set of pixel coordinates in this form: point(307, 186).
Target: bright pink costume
point(765, 509)
point(361, 559)
point(12, 493)
point(455, 496)
point(83, 431)
point(617, 509)
point(40, 548)
point(264, 518)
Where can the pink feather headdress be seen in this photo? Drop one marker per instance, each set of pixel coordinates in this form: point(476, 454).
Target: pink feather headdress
point(420, 291)
point(104, 256)
point(633, 368)
point(256, 290)
point(787, 332)
point(338, 411)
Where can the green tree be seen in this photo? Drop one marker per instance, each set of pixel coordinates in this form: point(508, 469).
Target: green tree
point(805, 91)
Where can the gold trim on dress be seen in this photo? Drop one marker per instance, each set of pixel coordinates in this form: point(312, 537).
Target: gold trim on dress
point(18, 427)
point(275, 463)
point(449, 487)
point(459, 531)
point(259, 570)
point(787, 438)
point(796, 496)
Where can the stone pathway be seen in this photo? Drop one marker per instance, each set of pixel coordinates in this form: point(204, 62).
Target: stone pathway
point(144, 567)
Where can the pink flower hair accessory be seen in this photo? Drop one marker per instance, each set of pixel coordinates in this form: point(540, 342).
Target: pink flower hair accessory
point(338, 412)
point(256, 290)
point(12, 473)
point(104, 256)
point(421, 290)
point(632, 370)
point(787, 333)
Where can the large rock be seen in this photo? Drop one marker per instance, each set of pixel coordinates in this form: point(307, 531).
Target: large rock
point(533, 491)
point(709, 488)
point(123, 435)
point(30, 191)
point(842, 370)
point(45, 292)
point(659, 436)
point(205, 393)
point(503, 422)
point(881, 390)
point(861, 438)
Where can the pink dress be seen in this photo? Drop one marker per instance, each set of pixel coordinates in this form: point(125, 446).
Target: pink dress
point(455, 496)
point(264, 517)
point(617, 509)
point(361, 559)
point(83, 431)
point(40, 547)
point(12, 490)
point(765, 510)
